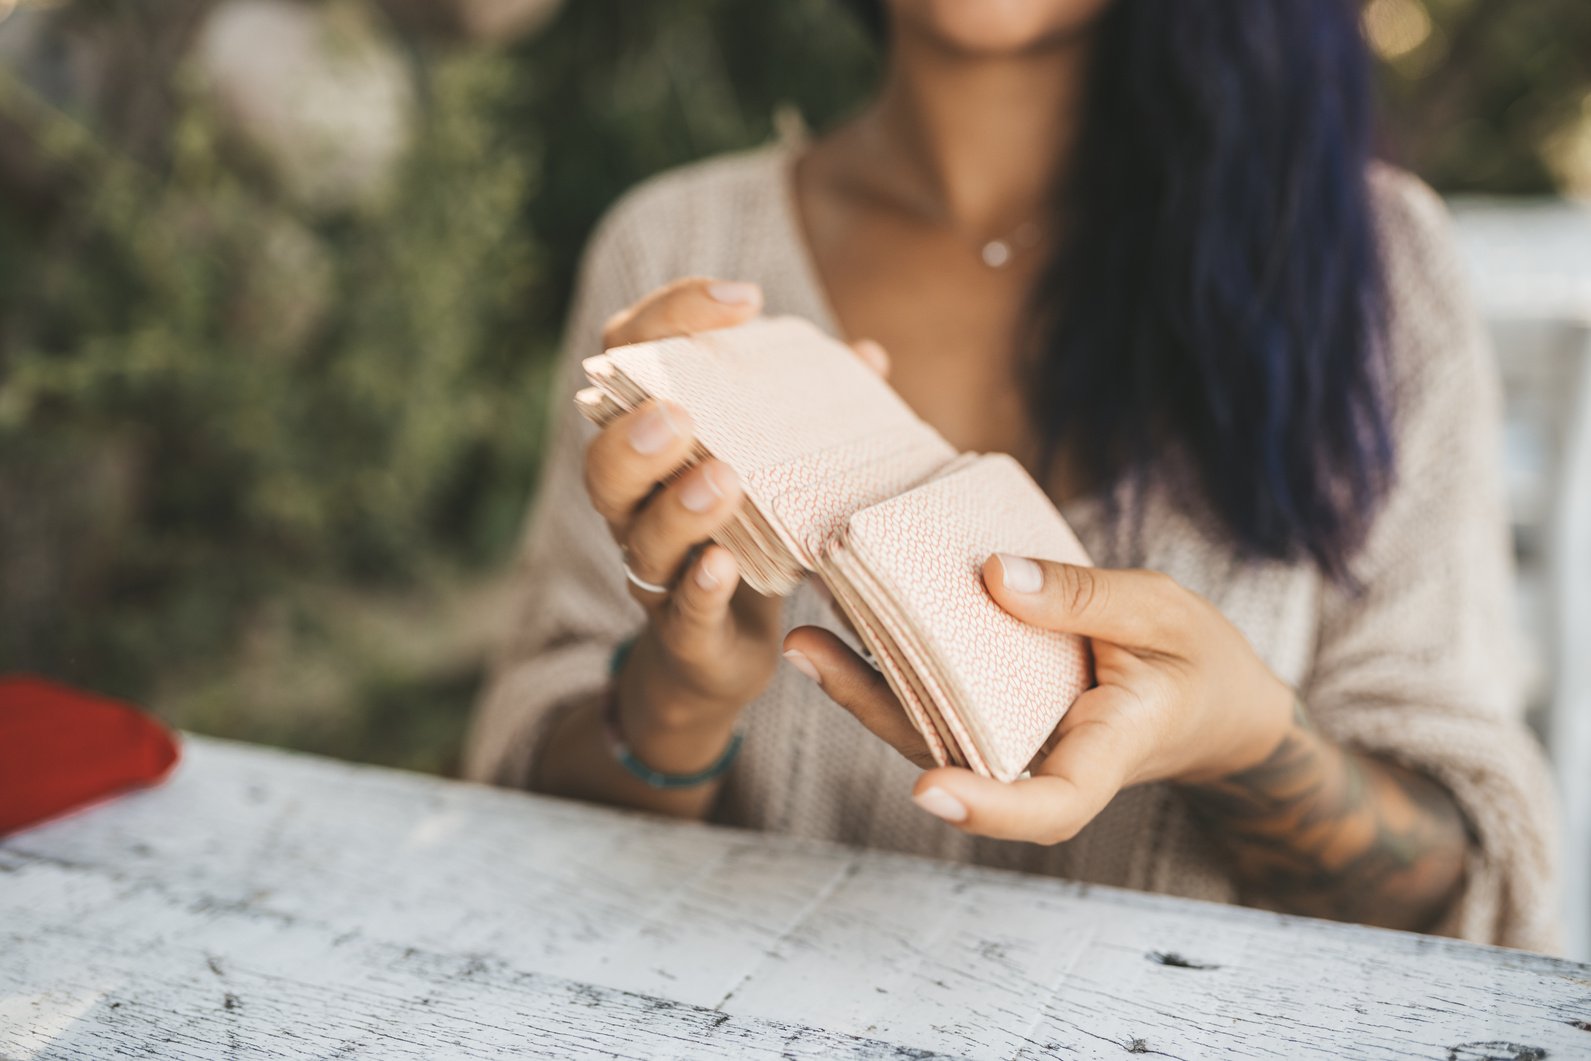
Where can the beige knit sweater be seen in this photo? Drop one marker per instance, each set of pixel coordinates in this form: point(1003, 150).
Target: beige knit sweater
point(1418, 666)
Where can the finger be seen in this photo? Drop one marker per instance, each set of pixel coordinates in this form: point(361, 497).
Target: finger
point(667, 528)
point(1134, 609)
point(1069, 789)
point(632, 455)
point(694, 304)
point(695, 624)
point(857, 687)
point(873, 355)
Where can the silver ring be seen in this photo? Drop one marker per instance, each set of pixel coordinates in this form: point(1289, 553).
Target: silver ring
point(640, 583)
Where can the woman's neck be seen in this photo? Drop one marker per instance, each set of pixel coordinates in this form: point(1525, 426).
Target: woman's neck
point(974, 142)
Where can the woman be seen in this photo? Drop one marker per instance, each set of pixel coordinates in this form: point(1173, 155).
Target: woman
point(1141, 245)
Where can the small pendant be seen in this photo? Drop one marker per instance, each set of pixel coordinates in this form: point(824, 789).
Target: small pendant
point(996, 253)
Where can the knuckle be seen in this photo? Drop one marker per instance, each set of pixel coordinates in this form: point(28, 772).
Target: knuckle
point(668, 311)
point(641, 555)
point(1163, 585)
point(596, 462)
point(1169, 593)
point(1081, 591)
point(616, 326)
point(1174, 605)
point(656, 548)
point(689, 605)
point(602, 463)
point(673, 318)
point(642, 564)
point(640, 542)
point(646, 318)
point(595, 485)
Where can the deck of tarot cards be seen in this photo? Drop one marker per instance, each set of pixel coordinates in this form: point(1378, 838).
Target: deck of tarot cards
point(843, 481)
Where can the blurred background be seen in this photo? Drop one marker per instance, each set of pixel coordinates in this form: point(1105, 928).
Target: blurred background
point(280, 281)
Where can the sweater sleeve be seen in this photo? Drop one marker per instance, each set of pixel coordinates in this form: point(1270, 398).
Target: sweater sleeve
point(1418, 663)
point(570, 607)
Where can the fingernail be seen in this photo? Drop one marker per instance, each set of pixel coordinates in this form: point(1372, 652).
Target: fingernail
point(941, 804)
point(1020, 574)
point(653, 431)
point(700, 492)
point(705, 578)
point(873, 354)
point(800, 662)
point(734, 292)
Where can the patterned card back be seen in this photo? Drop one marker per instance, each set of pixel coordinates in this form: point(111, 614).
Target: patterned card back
point(813, 432)
point(843, 479)
point(1009, 682)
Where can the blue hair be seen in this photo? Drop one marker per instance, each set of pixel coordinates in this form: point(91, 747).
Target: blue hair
point(1218, 290)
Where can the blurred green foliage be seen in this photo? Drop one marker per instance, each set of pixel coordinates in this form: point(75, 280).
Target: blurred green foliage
point(259, 464)
point(616, 91)
point(1488, 96)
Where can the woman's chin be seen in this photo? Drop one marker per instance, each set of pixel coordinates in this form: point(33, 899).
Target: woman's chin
point(997, 27)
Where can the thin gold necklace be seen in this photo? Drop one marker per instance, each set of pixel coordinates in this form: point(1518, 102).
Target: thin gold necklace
point(997, 253)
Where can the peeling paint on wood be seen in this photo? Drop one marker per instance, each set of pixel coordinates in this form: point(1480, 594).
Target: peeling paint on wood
point(264, 904)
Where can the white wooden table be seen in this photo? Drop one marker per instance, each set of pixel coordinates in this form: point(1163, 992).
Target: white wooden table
point(265, 904)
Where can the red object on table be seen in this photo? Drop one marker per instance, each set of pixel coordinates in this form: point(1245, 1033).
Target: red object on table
point(61, 748)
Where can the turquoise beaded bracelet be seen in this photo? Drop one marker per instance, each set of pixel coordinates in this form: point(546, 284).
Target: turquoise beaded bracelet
point(627, 758)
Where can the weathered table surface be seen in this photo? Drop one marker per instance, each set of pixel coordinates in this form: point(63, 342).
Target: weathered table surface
point(264, 904)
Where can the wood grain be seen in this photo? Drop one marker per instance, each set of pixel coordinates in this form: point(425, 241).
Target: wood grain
point(264, 904)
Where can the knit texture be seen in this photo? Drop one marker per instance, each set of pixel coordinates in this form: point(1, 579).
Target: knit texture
point(1418, 664)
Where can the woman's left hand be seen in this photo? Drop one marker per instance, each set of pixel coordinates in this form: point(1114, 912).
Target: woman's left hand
point(1181, 696)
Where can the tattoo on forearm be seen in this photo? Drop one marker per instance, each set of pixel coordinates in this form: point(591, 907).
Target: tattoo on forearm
point(1320, 830)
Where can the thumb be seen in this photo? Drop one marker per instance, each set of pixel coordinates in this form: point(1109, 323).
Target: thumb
point(1126, 608)
point(1065, 792)
point(684, 307)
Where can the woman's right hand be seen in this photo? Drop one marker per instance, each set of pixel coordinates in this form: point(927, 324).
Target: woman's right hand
point(710, 644)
